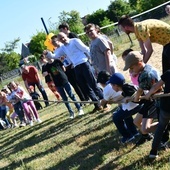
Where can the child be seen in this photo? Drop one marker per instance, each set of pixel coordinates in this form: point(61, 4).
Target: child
point(134, 77)
point(25, 102)
point(147, 76)
point(164, 116)
point(123, 117)
point(109, 95)
point(35, 97)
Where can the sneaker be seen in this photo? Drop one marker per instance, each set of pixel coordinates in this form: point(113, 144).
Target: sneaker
point(144, 139)
point(22, 124)
point(39, 120)
point(81, 112)
point(71, 117)
point(16, 125)
point(31, 123)
point(127, 140)
point(153, 154)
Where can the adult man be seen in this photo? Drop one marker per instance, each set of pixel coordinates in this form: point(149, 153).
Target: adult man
point(147, 32)
point(77, 52)
point(101, 56)
point(31, 78)
point(64, 27)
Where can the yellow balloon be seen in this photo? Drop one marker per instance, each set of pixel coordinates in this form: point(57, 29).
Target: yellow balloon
point(48, 43)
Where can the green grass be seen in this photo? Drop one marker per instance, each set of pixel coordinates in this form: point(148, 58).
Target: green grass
point(87, 142)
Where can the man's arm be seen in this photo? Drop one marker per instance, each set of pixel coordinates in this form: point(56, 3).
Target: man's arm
point(107, 54)
point(147, 49)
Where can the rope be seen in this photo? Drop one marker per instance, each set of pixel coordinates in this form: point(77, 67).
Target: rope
point(124, 100)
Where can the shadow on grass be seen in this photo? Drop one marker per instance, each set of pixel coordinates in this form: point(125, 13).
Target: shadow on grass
point(90, 157)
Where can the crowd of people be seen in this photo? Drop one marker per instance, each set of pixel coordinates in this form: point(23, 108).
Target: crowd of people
point(93, 74)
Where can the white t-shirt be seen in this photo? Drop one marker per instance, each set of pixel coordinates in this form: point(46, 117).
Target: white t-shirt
point(110, 94)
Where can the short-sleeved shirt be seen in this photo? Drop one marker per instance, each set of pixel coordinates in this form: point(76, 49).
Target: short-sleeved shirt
point(165, 101)
point(158, 31)
point(145, 80)
point(98, 47)
point(110, 94)
point(57, 73)
point(31, 77)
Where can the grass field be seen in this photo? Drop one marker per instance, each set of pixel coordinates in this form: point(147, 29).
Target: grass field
point(89, 142)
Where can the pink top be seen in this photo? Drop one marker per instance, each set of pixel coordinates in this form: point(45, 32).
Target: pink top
point(134, 79)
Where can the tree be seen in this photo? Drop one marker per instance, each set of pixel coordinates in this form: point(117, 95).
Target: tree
point(106, 22)
point(97, 17)
point(118, 8)
point(36, 45)
point(73, 19)
point(11, 46)
point(12, 60)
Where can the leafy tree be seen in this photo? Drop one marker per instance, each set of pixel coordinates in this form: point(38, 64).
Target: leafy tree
point(106, 22)
point(36, 45)
point(3, 63)
point(9, 59)
point(11, 46)
point(118, 8)
point(143, 5)
point(97, 17)
point(73, 19)
point(12, 60)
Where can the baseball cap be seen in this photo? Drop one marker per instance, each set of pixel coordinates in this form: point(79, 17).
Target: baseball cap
point(146, 79)
point(117, 78)
point(132, 58)
point(103, 77)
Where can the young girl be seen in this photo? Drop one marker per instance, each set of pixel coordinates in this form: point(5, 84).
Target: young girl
point(25, 102)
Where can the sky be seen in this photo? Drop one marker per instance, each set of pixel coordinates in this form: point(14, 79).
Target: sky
point(21, 18)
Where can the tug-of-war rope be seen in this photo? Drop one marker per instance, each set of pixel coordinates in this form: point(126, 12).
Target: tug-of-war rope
point(121, 100)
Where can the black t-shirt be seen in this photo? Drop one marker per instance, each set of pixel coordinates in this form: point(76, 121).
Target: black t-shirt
point(128, 89)
point(72, 35)
point(57, 73)
point(47, 77)
point(165, 101)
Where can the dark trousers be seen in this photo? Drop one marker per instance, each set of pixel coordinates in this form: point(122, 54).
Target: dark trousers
point(87, 81)
point(70, 72)
point(164, 118)
point(124, 121)
point(3, 112)
point(19, 111)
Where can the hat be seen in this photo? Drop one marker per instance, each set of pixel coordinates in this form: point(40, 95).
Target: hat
point(117, 78)
point(146, 79)
point(103, 77)
point(132, 58)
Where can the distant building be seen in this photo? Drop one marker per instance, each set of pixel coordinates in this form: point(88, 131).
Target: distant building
point(25, 50)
